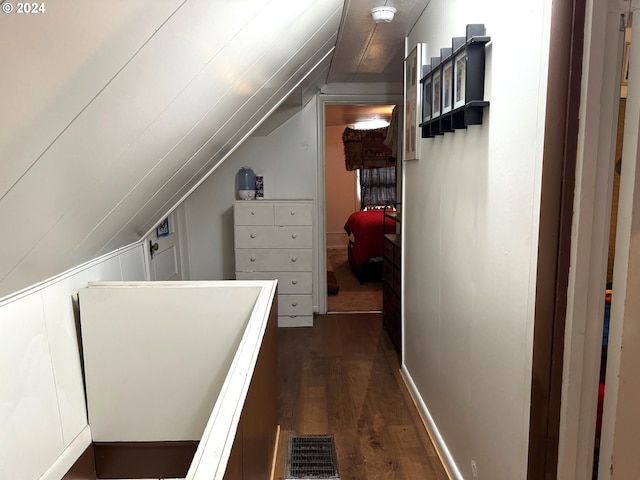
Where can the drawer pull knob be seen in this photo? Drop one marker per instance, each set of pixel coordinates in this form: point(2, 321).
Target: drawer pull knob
point(294, 304)
point(293, 212)
point(253, 259)
point(252, 235)
point(294, 259)
point(294, 281)
point(294, 235)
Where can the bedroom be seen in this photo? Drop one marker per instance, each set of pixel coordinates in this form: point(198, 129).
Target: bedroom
point(355, 282)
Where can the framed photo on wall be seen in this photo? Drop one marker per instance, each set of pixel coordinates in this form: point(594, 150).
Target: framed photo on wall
point(437, 94)
point(412, 105)
point(459, 79)
point(447, 86)
point(162, 230)
point(426, 99)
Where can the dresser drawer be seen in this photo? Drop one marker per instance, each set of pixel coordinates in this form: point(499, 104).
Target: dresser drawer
point(387, 272)
point(397, 255)
point(293, 305)
point(397, 281)
point(292, 213)
point(388, 249)
point(253, 212)
point(288, 282)
point(260, 260)
point(295, 321)
point(257, 236)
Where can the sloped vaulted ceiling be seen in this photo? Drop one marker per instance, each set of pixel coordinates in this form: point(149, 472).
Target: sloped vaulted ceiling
point(112, 111)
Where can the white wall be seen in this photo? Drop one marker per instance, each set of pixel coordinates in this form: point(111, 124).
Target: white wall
point(340, 187)
point(141, 340)
point(288, 160)
point(42, 405)
point(140, 102)
point(471, 207)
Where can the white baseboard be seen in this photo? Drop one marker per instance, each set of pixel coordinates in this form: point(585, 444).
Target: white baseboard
point(437, 440)
point(69, 456)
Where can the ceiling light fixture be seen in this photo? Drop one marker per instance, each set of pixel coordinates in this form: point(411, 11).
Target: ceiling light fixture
point(371, 124)
point(383, 14)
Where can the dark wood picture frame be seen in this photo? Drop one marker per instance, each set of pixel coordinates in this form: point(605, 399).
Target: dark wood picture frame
point(426, 97)
point(457, 84)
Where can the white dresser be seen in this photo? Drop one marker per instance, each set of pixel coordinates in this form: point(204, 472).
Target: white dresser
point(274, 240)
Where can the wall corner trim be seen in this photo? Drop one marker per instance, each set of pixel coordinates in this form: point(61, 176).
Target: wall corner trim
point(69, 455)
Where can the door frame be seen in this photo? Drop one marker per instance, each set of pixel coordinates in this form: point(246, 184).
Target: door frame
point(321, 236)
point(592, 199)
point(178, 227)
point(555, 234)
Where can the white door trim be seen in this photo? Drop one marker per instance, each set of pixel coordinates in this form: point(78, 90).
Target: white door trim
point(321, 238)
point(602, 61)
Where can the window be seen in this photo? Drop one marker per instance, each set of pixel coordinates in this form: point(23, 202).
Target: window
point(377, 186)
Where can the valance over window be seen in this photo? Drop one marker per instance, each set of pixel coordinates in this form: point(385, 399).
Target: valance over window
point(366, 149)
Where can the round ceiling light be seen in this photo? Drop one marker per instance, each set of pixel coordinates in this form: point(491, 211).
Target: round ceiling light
point(383, 14)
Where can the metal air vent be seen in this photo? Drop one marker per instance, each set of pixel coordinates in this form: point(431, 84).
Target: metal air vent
point(311, 457)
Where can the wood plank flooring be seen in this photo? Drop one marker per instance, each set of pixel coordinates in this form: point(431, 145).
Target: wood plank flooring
point(341, 378)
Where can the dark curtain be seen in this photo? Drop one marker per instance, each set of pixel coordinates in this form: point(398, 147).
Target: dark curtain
point(377, 186)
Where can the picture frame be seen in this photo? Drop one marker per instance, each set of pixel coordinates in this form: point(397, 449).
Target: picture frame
point(436, 81)
point(412, 104)
point(426, 99)
point(459, 79)
point(447, 86)
point(456, 79)
point(162, 230)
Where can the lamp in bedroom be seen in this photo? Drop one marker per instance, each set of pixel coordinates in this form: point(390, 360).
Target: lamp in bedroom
point(246, 179)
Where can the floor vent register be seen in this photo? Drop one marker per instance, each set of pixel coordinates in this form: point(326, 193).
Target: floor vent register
point(311, 457)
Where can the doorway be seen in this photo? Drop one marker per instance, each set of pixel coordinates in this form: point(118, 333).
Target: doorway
point(348, 289)
point(594, 194)
point(164, 251)
point(615, 197)
point(332, 240)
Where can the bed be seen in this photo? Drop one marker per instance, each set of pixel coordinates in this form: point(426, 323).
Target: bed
point(366, 230)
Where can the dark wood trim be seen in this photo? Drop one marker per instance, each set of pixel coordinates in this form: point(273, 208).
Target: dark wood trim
point(144, 459)
point(84, 468)
point(253, 448)
point(556, 211)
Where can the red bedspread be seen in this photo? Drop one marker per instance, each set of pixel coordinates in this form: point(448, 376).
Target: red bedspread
point(366, 227)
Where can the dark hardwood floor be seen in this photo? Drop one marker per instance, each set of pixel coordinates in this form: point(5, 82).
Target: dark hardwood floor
point(341, 378)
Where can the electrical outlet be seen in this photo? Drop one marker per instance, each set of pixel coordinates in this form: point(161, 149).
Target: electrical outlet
point(474, 469)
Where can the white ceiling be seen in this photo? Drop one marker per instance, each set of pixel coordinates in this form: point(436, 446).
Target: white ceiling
point(366, 52)
point(116, 110)
point(372, 52)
